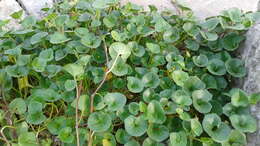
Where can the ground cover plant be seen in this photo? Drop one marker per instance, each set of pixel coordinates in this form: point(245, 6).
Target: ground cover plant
point(95, 73)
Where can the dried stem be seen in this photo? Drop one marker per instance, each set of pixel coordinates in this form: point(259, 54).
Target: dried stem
point(91, 133)
point(78, 90)
point(3, 135)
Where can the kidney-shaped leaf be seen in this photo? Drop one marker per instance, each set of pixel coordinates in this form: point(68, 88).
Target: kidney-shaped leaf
point(244, 123)
point(216, 67)
point(201, 60)
point(178, 139)
point(18, 106)
point(158, 132)
point(215, 128)
point(193, 83)
point(135, 126)
point(155, 112)
point(180, 77)
point(151, 80)
point(134, 85)
point(99, 121)
point(115, 101)
point(236, 68)
point(181, 97)
point(121, 49)
point(236, 138)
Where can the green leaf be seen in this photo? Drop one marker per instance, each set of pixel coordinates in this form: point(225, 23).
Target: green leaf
point(18, 106)
point(180, 77)
point(81, 31)
point(192, 45)
point(244, 123)
point(193, 83)
point(217, 130)
point(182, 98)
point(35, 115)
point(90, 40)
point(49, 94)
point(210, 24)
point(122, 136)
point(216, 67)
point(56, 124)
point(27, 139)
point(39, 64)
point(38, 37)
point(17, 15)
point(134, 85)
point(254, 98)
point(196, 127)
point(29, 22)
point(70, 85)
point(201, 60)
point(16, 71)
point(178, 138)
point(58, 38)
point(115, 101)
point(121, 49)
point(133, 108)
point(149, 142)
point(154, 48)
point(135, 126)
point(65, 135)
point(60, 20)
point(74, 69)
point(151, 80)
point(236, 68)
point(209, 36)
point(23, 60)
point(99, 121)
point(46, 55)
point(132, 143)
point(201, 100)
point(239, 98)
point(155, 112)
point(231, 41)
point(235, 138)
point(210, 81)
point(171, 36)
point(84, 103)
point(118, 36)
point(158, 132)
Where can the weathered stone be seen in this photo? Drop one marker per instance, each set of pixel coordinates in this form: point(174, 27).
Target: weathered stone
point(7, 7)
point(34, 7)
point(201, 8)
point(250, 52)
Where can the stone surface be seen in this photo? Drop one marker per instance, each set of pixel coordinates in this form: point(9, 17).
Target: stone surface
point(201, 8)
point(7, 7)
point(250, 52)
point(33, 7)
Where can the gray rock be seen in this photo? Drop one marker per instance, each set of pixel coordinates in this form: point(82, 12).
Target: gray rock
point(201, 8)
point(34, 7)
point(250, 52)
point(7, 7)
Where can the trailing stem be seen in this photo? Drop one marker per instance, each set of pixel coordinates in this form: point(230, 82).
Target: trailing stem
point(91, 133)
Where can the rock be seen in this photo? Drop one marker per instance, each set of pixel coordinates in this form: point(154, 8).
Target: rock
point(201, 8)
point(7, 7)
point(250, 52)
point(34, 7)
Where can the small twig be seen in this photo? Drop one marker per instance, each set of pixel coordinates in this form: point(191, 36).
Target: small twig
point(101, 84)
point(178, 11)
point(3, 135)
point(91, 133)
point(105, 47)
point(78, 90)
